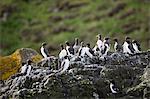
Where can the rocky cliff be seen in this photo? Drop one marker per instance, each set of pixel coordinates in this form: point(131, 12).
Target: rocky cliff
point(84, 80)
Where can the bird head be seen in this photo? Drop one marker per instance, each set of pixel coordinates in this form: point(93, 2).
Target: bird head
point(44, 44)
point(116, 40)
point(99, 36)
point(88, 44)
point(82, 43)
point(29, 61)
point(67, 43)
point(61, 45)
point(134, 41)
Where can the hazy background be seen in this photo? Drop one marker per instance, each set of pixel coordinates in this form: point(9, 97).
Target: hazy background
point(28, 23)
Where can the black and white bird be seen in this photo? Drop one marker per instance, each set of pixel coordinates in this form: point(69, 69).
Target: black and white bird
point(64, 65)
point(106, 46)
point(76, 46)
point(88, 50)
point(136, 46)
point(127, 46)
point(113, 88)
point(99, 42)
point(26, 68)
point(44, 50)
point(63, 52)
point(69, 49)
point(81, 51)
point(117, 46)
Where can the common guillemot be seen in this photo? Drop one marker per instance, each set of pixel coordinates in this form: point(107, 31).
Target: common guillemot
point(127, 46)
point(69, 49)
point(113, 88)
point(63, 52)
point(44, 50)
point(76, 46)
point(64, 65)
point(26, 68)
point(106, 46)
point(117, 46)
point(136, 46)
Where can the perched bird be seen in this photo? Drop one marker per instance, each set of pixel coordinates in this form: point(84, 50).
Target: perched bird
point(96, 50)
point(117, 46)
point(69, 49)
point(26, 68)
point(63, 52)
point(76, 45)
point(127, 46)
point(106, 46)
point(99, 42)
point(88, 50)
point(136, 46)
point(44, 50)
point(64, 65)
point(81, 51)
point(112, 87)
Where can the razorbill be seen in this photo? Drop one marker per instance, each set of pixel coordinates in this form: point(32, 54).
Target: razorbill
point(117, 46)
point(106, 47)
point(63, 52)
point(76, 45)
point(112, 87)
point(69, 49)
point(127, 46)
point(64, 65)
point(44, 50)
point(136, 46)
point(26, 68)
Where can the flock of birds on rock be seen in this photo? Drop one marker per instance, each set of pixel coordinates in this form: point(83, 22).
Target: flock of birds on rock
point(81, 50)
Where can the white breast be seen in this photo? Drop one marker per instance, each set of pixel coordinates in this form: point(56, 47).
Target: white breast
point(111, 88)
point(126, 48)
point(88, 52)
point(115, 45)
point(62, 54)
point(136, 48)
point(65, 66)
point(99, 44)
point(29, 70)
point(42, 52)
point(23, 69)
point(83, 51)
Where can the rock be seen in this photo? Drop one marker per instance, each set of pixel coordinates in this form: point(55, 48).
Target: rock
point(11, 64)
point(85, 79)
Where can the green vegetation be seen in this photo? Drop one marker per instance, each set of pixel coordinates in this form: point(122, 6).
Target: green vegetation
point(28, 23)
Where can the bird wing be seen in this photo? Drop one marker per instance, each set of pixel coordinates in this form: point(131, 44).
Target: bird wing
point(131, 48)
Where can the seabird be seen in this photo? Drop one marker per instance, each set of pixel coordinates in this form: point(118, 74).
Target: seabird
point(44, 50)
point(127, 46)
point(99, 42)
point(88, 50)
point(113, 89)
point(63, 52)
point(76, 45)
point(96, 50)
point(106, 46)
point(26, 68)
point(69, 49)
point(81, 51)
point(117, 46)
point(136, 46)
point(64, 65)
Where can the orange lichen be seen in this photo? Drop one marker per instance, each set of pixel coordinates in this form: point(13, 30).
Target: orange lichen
point(9, 65)
point(36, 58)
